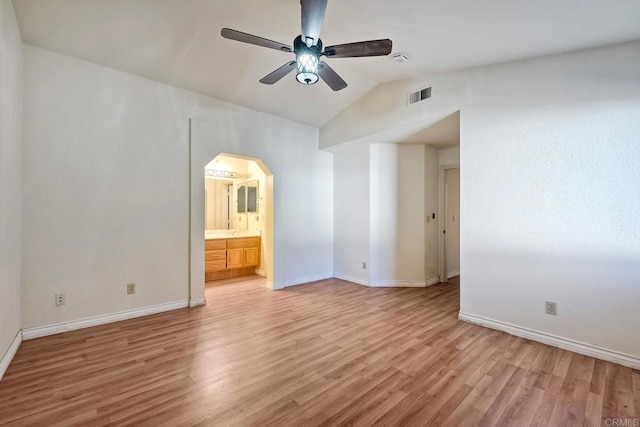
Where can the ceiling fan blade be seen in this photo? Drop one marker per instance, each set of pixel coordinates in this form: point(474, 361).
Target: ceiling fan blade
point(312, 17)
point(228, 33)
point(330, 77)
point(358, 49)
point(276, 75)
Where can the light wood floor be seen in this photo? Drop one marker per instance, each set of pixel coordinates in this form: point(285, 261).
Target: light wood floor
point(326, 353)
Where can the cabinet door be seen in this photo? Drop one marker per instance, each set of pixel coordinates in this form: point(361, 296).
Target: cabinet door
point(251, 256)
point(234, 258)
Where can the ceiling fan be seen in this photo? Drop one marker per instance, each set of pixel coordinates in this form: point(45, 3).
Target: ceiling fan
point(308, 49)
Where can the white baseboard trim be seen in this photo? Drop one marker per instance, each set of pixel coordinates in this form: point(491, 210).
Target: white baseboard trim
point(433, 281)
point(269, 285)
point(10, 353)
point(453, 274)
point(262, 273)
point(397, 284)
point(195, 302)
point(554, 340)
point(304, 280)
point(386, 283)
point(352, 279)
point(57, 328)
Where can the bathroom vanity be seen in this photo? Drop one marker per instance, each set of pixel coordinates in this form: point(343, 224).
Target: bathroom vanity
point(233, 227)
point(230, 256)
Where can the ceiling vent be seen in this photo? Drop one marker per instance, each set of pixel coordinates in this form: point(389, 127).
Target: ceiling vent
point(420, 95)
point(400, 57)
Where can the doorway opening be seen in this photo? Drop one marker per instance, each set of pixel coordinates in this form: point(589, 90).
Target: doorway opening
point(240, 228)
point(236, 212)
point(442, 161)
point(450, 222)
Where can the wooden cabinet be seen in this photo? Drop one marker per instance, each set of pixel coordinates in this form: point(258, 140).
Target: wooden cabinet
point(215, 266)
point(213, 244)
point(232, 257)
point(215, 255)
point(252, 256)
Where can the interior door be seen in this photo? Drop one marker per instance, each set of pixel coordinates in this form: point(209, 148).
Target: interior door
point(452, 224)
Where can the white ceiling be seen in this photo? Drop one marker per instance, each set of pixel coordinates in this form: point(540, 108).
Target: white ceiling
point(178, 41)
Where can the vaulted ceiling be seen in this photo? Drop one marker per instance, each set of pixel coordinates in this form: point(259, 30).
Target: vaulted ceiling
point(178, 41)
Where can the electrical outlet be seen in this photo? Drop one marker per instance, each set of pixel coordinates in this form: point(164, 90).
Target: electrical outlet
point(60, 299)
point(131, 288)
point(364, 265)
point(551, 308)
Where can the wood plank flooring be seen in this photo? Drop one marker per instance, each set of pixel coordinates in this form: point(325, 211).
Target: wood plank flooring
point(326, 353)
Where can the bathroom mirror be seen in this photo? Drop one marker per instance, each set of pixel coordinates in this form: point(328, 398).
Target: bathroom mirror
point(219, 204)
point(247, 197)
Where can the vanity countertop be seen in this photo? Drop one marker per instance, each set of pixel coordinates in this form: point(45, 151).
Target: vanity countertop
point(229, 234)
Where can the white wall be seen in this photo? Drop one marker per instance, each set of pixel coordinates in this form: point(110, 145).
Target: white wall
point(449, 156)
point(106, 188)
point(384, 202)
point(10, 178)
point(257, 220)
point(452, 222)
point(382, 194)
point(352, 212)
point(397, 214)
point(431, 204)
point(302, 186)
point(550, 198)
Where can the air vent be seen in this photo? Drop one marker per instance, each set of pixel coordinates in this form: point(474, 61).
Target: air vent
point(419, 95)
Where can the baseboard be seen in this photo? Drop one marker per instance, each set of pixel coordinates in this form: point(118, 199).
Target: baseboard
point(269, 285)
point(195, 302)
point(352, 279)
point(433, 281)
point(303, 281)
point(262, 273)
point(453, 274)
point(387, 283)
point(554, 340)
point(397, 284)
point(57, 328)
point(10, 353)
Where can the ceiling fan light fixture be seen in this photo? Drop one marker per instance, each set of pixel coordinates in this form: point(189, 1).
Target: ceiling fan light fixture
point(307, 66)
point(308, 49)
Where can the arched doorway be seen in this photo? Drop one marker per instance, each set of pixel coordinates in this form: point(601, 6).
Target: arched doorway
point(236, 208)
point(250, 216)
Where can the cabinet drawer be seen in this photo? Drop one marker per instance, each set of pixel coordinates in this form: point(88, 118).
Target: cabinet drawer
point(215, 265)
point(210, 245)
point(216, 255)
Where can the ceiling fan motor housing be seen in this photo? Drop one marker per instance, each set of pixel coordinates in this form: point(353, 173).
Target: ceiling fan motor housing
point(307, 60)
